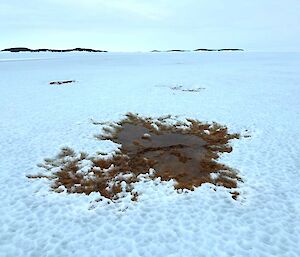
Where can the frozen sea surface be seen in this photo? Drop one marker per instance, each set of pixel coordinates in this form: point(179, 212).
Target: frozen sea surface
point(258, 92)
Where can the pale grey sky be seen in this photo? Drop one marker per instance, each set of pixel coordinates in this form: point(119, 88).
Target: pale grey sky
point(140, 25)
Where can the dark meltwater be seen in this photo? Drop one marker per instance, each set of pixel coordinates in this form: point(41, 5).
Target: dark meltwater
point(172, 155)
point(185, 152)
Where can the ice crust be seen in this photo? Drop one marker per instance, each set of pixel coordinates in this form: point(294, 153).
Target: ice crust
point(257, 92)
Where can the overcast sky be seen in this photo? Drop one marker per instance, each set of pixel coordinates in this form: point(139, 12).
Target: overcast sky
point(140, 25)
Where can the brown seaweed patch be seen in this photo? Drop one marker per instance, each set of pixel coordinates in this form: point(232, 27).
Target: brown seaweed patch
point(186, 152)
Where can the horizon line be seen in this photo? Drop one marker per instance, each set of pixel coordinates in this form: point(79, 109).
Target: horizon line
point(81, 49)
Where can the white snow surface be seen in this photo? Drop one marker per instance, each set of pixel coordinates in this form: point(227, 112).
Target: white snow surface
point(257, 92)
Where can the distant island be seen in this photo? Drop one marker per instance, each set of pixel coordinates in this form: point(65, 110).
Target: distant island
point(25, 49)
point(219, 50)
point(78, 49)
point(200, 49)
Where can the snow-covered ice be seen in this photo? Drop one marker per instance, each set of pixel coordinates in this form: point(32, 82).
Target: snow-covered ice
point(257, 92)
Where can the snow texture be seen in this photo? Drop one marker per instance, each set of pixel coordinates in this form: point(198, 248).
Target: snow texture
point(252, 93)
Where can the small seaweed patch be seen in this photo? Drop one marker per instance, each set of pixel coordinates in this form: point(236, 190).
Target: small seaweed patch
point(186, 152)
point(181, 88)
point(61, 82)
